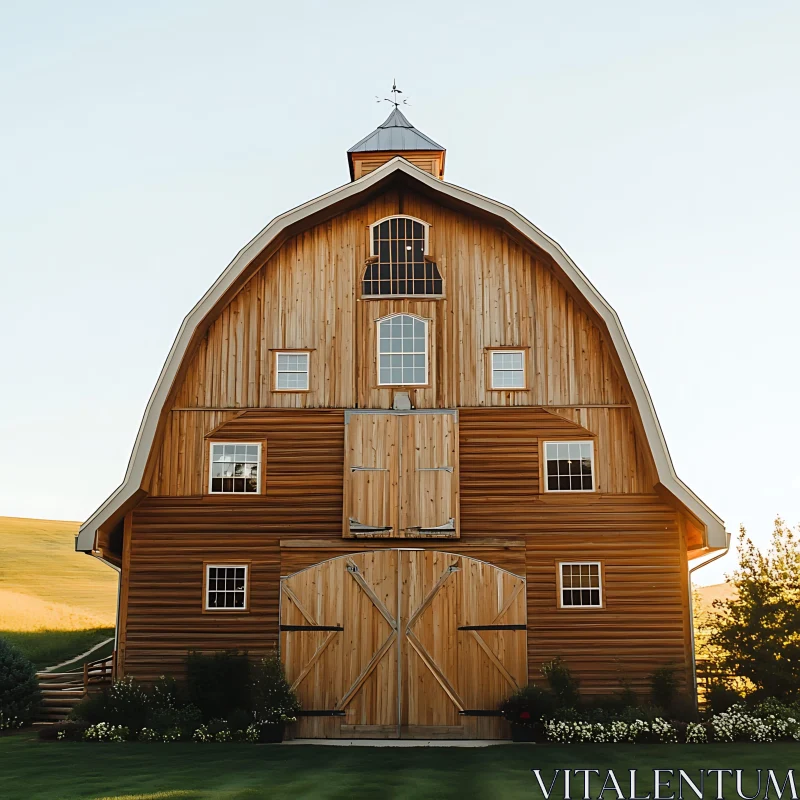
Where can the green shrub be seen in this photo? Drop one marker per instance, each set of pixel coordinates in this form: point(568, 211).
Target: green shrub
point(720, 698)
point(69, 731)
point(563, 684)
point(639, 712)
point(663, 687)
point(273, 698)
point(239, 720)
point(19, 689)
point(528, 705)
point(772, 707)
point(219, 683)
point(126, 703)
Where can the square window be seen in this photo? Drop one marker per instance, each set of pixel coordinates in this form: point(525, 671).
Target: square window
point(581, 585)
point(569, 466)
point(226, 587)
point(234, 468)
point(291, 371)
point(507, 369)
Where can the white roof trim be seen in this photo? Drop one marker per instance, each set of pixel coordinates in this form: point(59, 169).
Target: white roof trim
point(716, 536)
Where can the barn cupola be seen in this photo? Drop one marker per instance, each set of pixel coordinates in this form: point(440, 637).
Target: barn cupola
point(395, 137)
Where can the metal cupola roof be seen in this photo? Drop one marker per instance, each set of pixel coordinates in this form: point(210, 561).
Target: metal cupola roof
point(395, 135)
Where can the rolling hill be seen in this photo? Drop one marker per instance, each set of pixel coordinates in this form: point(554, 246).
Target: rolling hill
point(54, 603)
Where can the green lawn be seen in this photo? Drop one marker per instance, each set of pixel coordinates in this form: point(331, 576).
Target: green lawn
point(47, 648)
point(45, 770)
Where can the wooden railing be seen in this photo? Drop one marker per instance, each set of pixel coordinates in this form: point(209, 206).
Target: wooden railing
point(98, 673)
point(708, 673)
point(61, 692)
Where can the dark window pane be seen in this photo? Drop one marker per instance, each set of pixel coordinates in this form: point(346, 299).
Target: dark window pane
point(575, 482)
point(563, 483)
point(216, 484)
point(552, 483)
point(587, 482)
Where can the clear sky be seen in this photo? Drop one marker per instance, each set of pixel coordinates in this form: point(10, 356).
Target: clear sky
point(142, 144)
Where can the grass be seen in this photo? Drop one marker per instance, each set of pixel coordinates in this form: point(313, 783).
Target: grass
point(63, 770)
point(47, 648)
point(54, 603)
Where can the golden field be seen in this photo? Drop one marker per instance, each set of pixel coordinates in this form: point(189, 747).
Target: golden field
point(46, 585)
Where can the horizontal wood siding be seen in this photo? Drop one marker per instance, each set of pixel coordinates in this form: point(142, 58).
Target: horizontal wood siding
point(645, 621)
point(297, 522)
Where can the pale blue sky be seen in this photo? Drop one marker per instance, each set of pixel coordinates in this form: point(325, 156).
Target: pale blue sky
point(143, 144)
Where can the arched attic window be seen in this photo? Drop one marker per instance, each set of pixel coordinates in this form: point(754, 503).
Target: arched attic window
point(398, 265)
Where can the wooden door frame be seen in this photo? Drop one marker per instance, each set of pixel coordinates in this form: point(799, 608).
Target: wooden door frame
point(401, 628)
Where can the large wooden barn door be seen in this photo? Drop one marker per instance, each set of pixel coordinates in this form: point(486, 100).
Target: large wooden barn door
point(411, 643)
point(339, 645)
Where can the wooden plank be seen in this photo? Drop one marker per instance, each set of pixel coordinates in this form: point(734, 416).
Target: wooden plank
point(434, 670)
point(367, 589)
point(287, 592)
point(367, 671)
point(313, 660)
point(509, 678)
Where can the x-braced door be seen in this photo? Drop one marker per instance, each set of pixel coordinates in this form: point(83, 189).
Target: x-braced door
point(415, 643)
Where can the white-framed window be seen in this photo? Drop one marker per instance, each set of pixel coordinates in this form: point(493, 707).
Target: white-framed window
point(569, 466)
point(580, 584)
point(402, 351)
point(399, 266)
point(508, 369)
point(226, 587)
point(235, 468)
point(291, 371)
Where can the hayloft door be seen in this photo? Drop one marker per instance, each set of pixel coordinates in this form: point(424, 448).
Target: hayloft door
point(401, 474)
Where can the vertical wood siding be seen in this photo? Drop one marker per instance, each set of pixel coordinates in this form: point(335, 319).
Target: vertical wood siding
point(307, 295)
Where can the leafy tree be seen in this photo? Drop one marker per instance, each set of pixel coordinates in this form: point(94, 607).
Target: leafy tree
point(757, 632)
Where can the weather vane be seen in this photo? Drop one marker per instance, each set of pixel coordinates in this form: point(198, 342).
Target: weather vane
point(394, 101)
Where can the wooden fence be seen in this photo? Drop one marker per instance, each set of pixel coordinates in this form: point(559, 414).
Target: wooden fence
point(62, 691)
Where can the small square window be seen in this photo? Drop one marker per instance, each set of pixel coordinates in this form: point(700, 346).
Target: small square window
point(226, 587)
point(508, 369)
point(569, 466)
point(291, 372)
point(580, 585)
point(235, 468)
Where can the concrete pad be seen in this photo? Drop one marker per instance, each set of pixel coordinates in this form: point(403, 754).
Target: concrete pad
point(402, 742)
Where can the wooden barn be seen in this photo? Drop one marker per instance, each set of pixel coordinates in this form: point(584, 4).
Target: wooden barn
point(405, 439)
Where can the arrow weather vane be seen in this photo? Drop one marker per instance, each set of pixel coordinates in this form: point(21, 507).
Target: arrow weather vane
point(394, 101)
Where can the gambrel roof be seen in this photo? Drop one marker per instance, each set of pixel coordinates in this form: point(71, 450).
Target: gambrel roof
point(715, 536)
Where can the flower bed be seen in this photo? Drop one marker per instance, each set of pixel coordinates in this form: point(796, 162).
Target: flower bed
point(766, 723)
